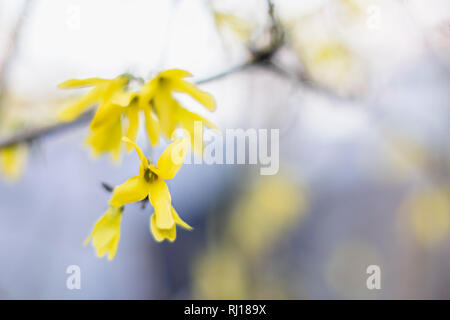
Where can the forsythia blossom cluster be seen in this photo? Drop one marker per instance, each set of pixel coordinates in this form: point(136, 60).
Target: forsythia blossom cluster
point(148, 183)
point(119, 107)
point(116, 120)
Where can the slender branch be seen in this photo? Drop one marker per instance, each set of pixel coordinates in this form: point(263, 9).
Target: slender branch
point(33, 134)
point(28, 136)
point(305, 82)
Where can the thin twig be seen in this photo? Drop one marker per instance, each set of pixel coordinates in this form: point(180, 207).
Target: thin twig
point(305, 82)
point(107, 187)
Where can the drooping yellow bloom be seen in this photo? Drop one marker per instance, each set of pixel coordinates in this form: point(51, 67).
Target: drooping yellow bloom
point(12, 161)
point(107, 138)
point(110, 125)
point(110, 121)
point(126, 103)
point(106, 233)
point(119, 109)
point(429, 214)
point(101, 94)
point(150, 182)
point(158, 95)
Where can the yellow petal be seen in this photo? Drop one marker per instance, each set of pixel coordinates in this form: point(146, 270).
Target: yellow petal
point(106, 113)
point(133, 190)
point(165, 106)
point(152, 127)
point(106, 138)
point(106, 233)
point(114, 86)
point(171, 159)
point(147, 93)
point(103, 92)
point(75, 109)
point(141, 155)
point(160, 199)
point(113, 247)
point(174, 74)
point(161, 234)
point(124, 98)
point(201, 96)
point(187, 120)
point(12, 161)
point(179, 221)
point(133, 125)
point(81, 83)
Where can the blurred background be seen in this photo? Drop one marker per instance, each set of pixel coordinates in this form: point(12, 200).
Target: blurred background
point(360, 90)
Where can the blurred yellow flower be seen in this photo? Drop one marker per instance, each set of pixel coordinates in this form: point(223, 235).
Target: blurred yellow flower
point(119, 108)
point(150, 182)
point(220, 274)
point(265, 214)
point(106, 233)
point(12, 161)
point(406, 156)
point(269, 210)
point(327, 58)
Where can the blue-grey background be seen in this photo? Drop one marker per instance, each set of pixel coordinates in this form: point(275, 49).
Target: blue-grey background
point(344, 153)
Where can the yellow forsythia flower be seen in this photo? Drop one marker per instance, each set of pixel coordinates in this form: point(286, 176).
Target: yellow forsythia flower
point(156, 97)
point(12, 161)
point(150, 182)
point(106, 234)
point(107, 138)
point(106, 127)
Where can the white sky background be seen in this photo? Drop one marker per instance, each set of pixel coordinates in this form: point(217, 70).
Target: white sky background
point(81, 38)
point(75, 39)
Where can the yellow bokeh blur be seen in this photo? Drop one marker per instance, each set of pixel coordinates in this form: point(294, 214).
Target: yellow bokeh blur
point(429, 214)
